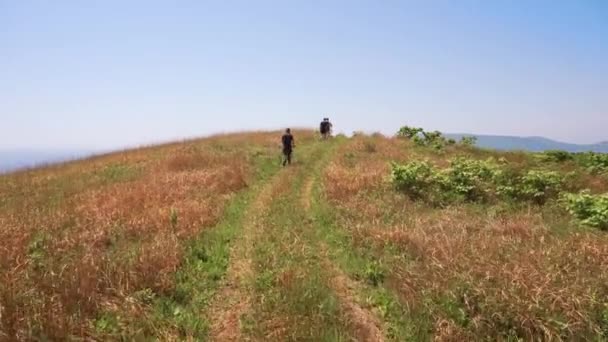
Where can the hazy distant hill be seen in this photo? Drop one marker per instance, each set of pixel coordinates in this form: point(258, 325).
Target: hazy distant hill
point(22, 158)
point(530, 143)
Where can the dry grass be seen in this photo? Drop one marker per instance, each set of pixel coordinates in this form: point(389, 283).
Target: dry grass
point(474, 271)
point(88, 237)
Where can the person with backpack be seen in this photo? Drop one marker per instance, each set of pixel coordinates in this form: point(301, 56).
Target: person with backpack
point(325, 128)
point(288, 146)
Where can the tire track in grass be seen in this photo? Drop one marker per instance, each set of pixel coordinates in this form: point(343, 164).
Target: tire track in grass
point(234, 298)
point(365, 325)
point(382, 316)
point(293, 300)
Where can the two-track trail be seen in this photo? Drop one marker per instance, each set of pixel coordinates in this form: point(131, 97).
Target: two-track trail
point(234, 298)
point(280, 284)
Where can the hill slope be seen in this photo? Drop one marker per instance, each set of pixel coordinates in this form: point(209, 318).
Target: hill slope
point(22, 158)
point(212, 239)
point(536, 144)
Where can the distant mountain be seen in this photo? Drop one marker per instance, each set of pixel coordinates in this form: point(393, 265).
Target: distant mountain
point(15, 159)
point(535, 144)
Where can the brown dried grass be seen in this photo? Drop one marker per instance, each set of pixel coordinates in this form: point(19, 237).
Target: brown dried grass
point(78, 239)
point(505, 267)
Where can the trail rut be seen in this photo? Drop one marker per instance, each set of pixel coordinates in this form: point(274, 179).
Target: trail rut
point(365, 325)
point(233, 300)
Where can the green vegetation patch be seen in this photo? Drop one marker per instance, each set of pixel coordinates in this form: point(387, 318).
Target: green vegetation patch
point(474, 181)
point(590, 210)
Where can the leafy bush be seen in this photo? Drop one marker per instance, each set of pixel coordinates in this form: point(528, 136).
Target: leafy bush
point(465, 179)
point(475, 180)
point(591, 210)
point(468, 141)
point(414, 178)
point(432, 137)
point(594, 162)
point(420, 137)
point(558, 156)
point(540, 186)
point(409, 132)
point(469, 177)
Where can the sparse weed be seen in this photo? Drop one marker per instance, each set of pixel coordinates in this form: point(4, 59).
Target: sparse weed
point(374, 273)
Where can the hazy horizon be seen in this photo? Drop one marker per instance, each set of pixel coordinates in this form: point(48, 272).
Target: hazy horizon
point(110, 75)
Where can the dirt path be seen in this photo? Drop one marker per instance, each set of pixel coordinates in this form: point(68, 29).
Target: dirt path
point(365, 325)
point(280, 281)
point(234, 299)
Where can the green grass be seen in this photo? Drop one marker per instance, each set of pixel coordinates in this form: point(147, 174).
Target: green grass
point(291, 288)
point(180, 312)
point(369, 268)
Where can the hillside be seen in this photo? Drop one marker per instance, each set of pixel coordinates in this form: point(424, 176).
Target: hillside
point(534, 144)
point(366, 238)
point(13, 159)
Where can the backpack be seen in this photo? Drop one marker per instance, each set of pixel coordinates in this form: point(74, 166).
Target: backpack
point(324, 127)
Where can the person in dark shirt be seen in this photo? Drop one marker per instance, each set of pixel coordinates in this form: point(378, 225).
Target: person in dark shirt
point(288, 145)
point(325, 128)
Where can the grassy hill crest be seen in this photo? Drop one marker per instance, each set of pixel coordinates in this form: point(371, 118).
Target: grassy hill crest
point(370, 238)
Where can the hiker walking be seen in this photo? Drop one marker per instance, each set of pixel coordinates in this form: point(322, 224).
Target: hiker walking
point(325, 128)
point(288, 145)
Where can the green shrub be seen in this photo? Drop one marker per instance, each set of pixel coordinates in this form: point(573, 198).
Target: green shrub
point(475, 180)
point(416, 178)
point(420, 137)
point(431, 137)
point(590, 210)
point(540, 186)
point(594, 162)
point(558, 156)
point(468, 141)
point(409, 132)
point(469, 178)
point(507, 183)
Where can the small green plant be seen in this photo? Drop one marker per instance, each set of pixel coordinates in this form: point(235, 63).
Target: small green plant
point(590, 210)
point(145, 296)
point(374, 273)
point(604, 321)
point(107, 324)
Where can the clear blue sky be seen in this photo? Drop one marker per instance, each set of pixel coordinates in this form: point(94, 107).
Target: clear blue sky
point(106, 74)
